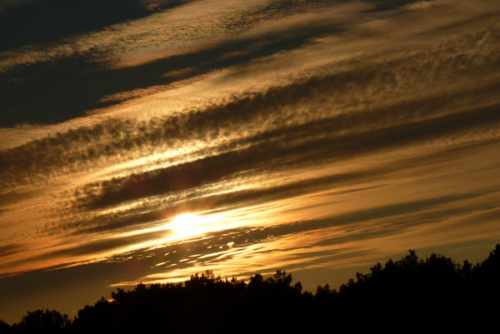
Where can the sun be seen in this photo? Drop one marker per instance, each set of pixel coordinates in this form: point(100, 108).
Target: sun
point(185, 224)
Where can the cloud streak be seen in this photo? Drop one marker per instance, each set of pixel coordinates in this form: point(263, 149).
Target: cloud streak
point(310, 136)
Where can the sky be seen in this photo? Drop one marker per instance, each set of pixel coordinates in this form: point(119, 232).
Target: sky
point(148, 140)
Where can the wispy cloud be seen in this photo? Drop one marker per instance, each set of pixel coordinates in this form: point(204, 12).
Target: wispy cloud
point(319, 134)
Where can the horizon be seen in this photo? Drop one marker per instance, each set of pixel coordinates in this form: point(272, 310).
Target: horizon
point(434, 267)
point(148, 140)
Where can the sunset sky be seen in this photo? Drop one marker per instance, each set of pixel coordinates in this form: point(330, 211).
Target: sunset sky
point(148, 140)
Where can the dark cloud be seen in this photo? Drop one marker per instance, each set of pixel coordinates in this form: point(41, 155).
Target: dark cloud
point(250, 235)
point(282, 151)
point(174, 204)
point(45, 21)
point(221, 241)
point(274, 9)
point(89, 248)
point(103, 245)
point(13, 197)
point(245, 236)
point(382, 5)
point(341, 90)
point(10, 249)
point(118, 221)
point(361, 84)
point(68, 86)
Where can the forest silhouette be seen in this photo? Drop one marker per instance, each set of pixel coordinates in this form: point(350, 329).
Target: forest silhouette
point(404, 295)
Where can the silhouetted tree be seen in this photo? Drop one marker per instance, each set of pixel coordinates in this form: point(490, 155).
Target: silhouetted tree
point(5, 328)
point(420, 293)
point(98, 318)
point(42, 322)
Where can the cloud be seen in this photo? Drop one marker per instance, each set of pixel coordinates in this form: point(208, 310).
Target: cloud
point(47, 21)
point(61, 79)
point(350, 240)
point(362, 110)
point(170, 204)
point(275, 107)
point(10, 249)
point(297, 146)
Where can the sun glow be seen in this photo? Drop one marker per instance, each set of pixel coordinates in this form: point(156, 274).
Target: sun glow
point(186, 224)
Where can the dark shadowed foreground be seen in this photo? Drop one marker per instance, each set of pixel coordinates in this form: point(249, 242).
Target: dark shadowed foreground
point(409, 293)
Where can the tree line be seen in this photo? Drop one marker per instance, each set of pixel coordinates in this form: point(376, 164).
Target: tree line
point(410, 293)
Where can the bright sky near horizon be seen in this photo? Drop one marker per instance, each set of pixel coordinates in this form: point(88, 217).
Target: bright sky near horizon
point(147, 140)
